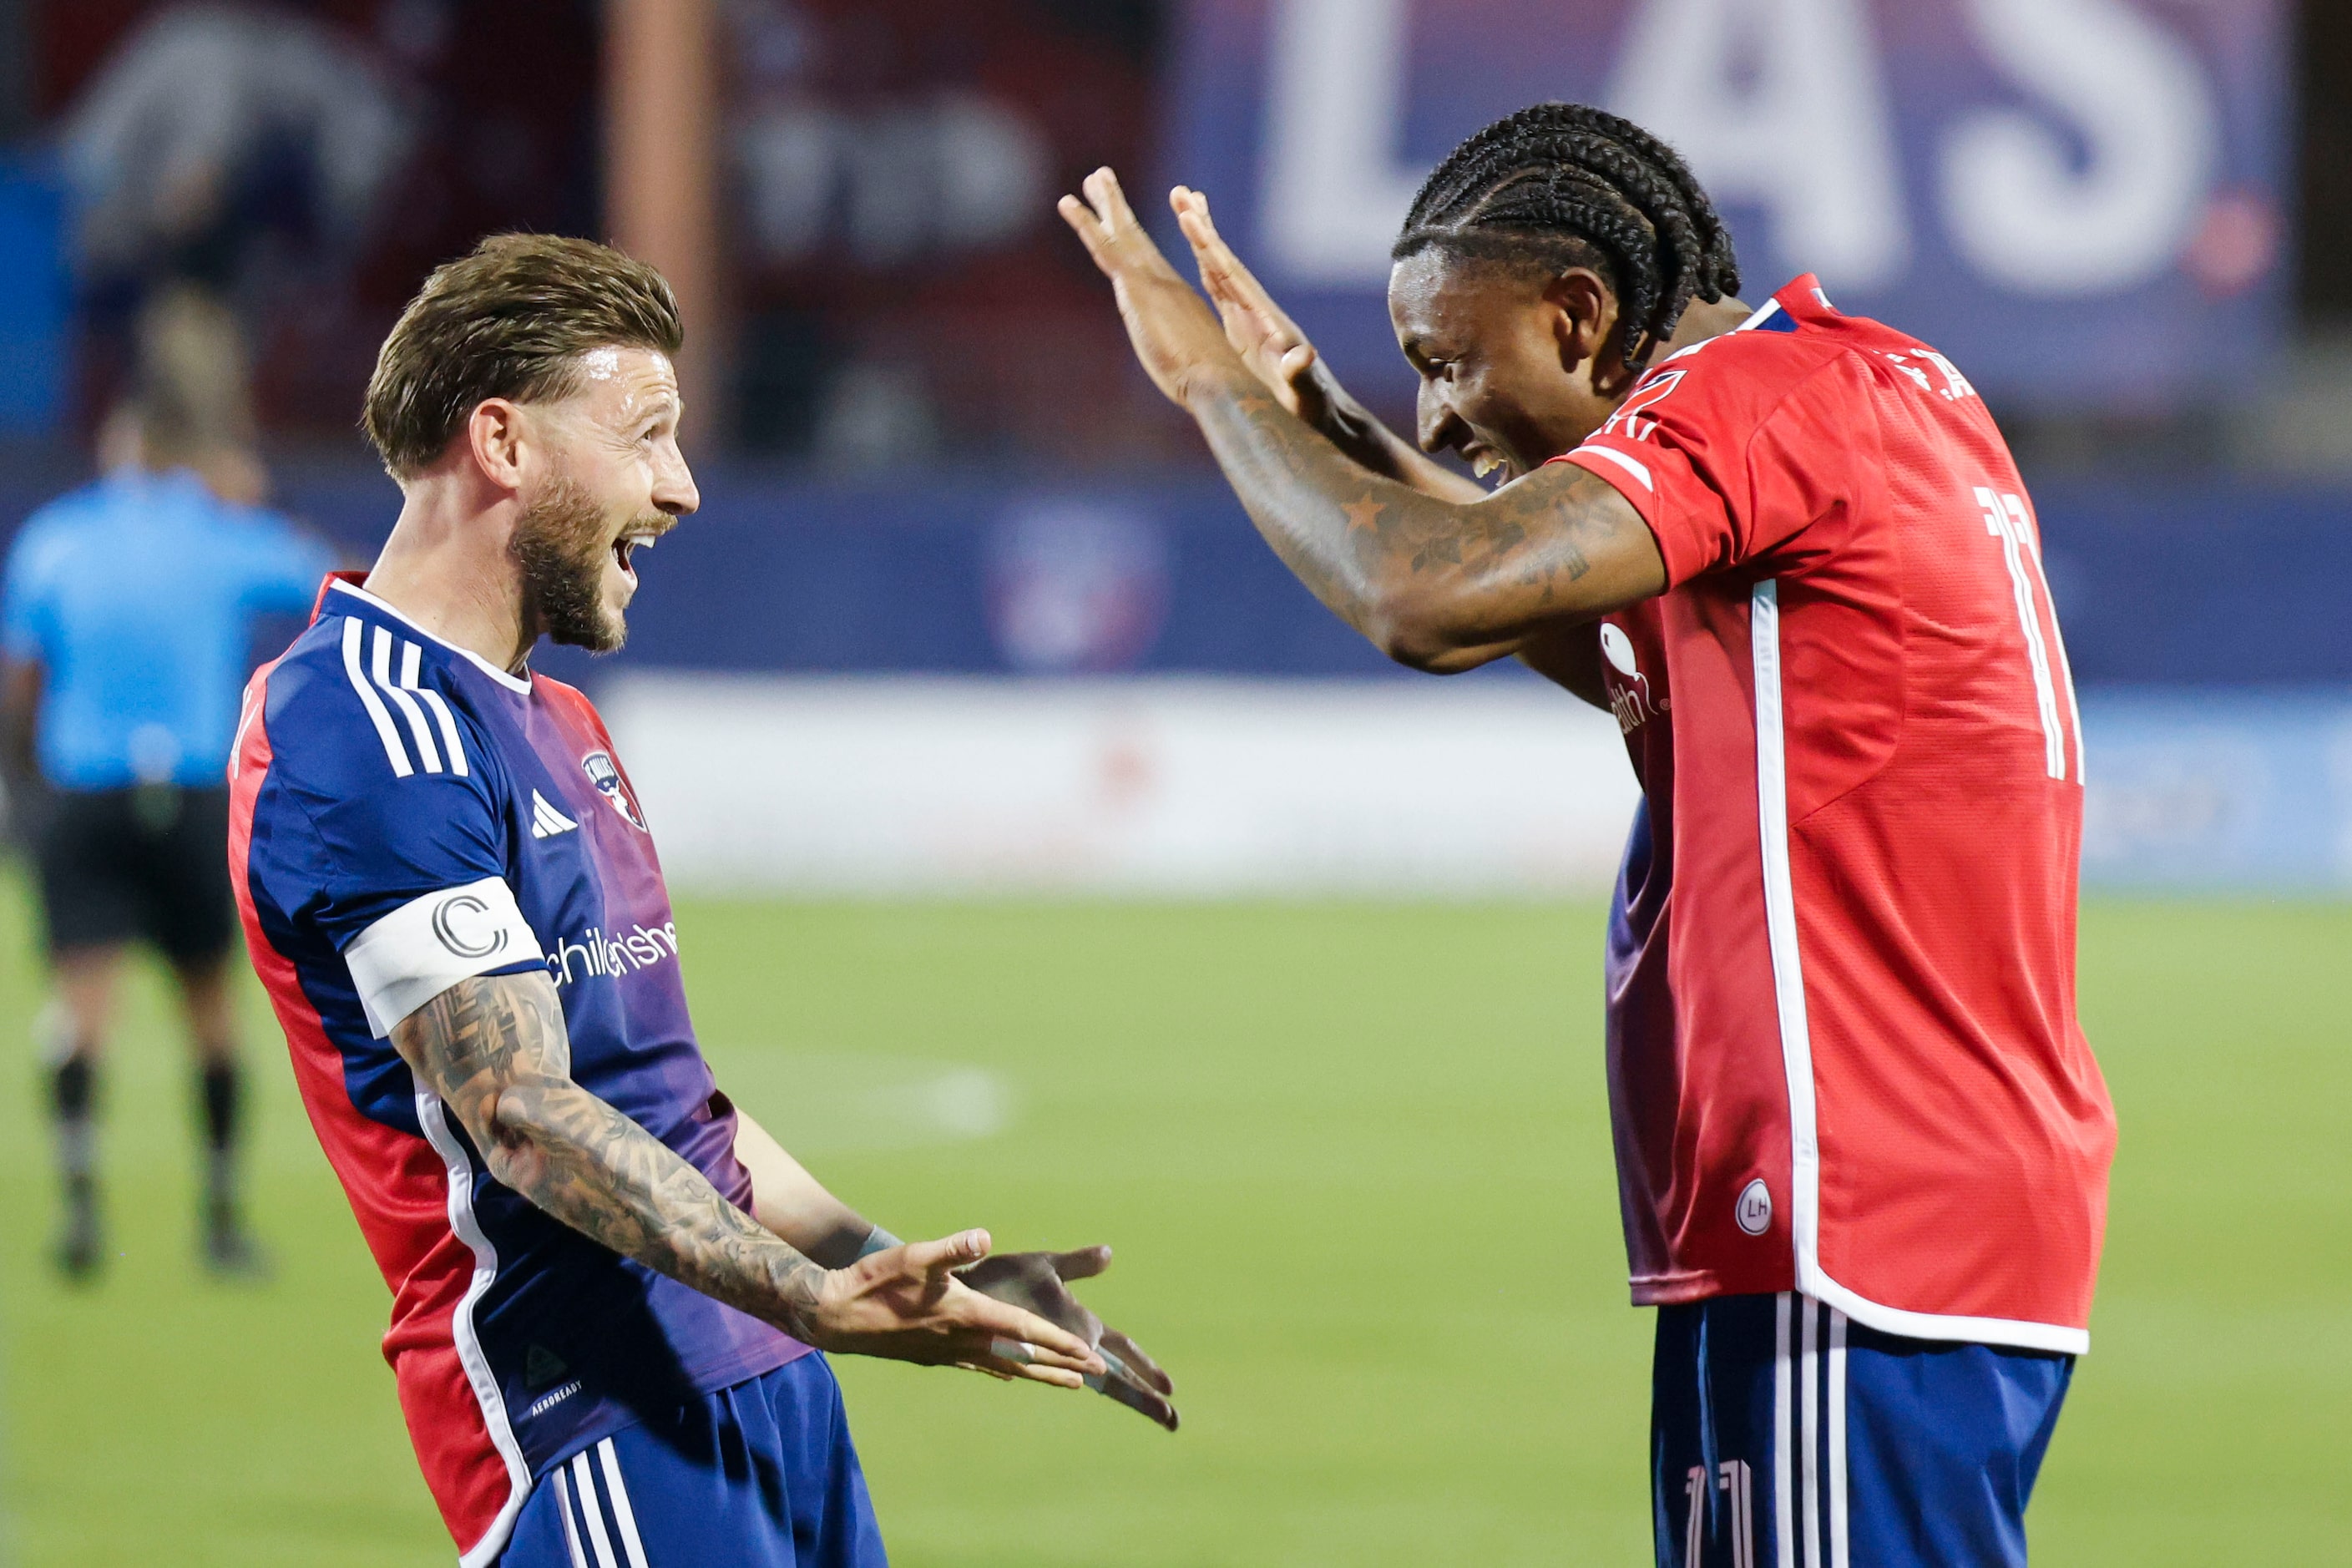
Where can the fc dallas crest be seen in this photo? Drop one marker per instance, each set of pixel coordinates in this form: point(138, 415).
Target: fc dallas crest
point(605, 774)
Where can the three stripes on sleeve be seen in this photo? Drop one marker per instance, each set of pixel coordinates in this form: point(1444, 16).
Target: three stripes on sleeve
point(367, 664)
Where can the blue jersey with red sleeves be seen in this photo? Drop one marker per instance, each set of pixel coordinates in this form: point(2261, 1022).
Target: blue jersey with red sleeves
point(407, 815)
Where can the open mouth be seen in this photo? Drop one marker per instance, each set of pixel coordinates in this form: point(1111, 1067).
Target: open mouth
point(629, 543)
point(1485, 462)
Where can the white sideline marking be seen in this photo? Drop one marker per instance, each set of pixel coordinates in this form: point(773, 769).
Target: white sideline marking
point(839, 1102)
point(1186, 786)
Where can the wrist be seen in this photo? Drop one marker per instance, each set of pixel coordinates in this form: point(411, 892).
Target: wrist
point(1341, 409)
point(1217, 382)
point(877, 1240)
point(806, 1313)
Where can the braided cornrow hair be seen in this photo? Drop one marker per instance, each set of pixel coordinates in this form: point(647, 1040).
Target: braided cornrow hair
point(1562, 185)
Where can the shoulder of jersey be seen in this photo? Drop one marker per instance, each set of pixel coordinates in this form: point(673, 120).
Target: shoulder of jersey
point(561, 693)
point(356, 703)
point(556, 694)
point(1751, 369)
point(51, 528)
point(1777, 346)
point(252, 519)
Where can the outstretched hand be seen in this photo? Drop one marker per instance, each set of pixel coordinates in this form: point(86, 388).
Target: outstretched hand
point(908, 1304)
point(1260, 330)
point(1175, 335)
point(1039, 1282)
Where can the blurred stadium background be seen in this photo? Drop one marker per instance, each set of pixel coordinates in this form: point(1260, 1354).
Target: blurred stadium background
point(1049, 859)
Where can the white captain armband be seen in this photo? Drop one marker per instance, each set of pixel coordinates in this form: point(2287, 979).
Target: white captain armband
point(427, 945)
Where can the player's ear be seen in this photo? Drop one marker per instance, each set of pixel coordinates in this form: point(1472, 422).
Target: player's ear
point(1581, 312)
point(494, 432)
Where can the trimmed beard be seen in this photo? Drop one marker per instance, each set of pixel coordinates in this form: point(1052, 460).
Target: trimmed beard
point(560, 546)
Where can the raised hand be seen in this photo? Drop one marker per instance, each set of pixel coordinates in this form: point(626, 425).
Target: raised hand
point(1270, 343)
point(1038, 1282)
point(908, 1304)
point(1178, 341)
point(1260, 330)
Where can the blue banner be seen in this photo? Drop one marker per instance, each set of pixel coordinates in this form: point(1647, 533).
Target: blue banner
point(2076, 200)
point(2207, 791)
point(2204, 623)
point(2212, 584)
point(34, 343)
point(2216, 583)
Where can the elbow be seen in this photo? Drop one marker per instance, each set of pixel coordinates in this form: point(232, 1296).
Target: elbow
point(506, 1144)
point(1413, 634)
point(515, 1130)
point(1412, 651)
point(510, 1166)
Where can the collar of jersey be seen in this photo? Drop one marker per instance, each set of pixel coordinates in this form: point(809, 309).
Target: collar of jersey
point(519, 683)
point(1793, 301)
point(136, 481)
point(172, 494)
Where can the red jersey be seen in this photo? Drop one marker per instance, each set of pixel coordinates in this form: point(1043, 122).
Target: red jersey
point(1843, 1050)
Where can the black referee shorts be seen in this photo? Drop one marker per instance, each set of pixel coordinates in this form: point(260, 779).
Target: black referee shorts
point(120, 864)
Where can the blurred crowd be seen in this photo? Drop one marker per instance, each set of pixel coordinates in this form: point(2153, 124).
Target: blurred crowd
point(895, 291)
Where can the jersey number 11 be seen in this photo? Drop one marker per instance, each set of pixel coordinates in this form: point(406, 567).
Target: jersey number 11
point(2005, 519)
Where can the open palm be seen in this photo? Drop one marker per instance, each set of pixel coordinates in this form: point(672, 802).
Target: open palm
point(1038, 1282)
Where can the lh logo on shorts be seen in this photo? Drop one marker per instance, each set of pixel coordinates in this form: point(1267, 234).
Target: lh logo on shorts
point(1755, 1211)
point(462, 923)
point(605, 774)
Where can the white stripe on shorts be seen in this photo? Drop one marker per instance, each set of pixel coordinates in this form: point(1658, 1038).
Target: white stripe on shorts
point(1784, 1446)
point(1810, 1422)
point(563, 1509)
point(586, 1485)
point(1837, 1558)
point(1810, 1505)
point(623, 1515)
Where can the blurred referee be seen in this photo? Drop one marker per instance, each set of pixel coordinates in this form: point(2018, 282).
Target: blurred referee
point(126, 625)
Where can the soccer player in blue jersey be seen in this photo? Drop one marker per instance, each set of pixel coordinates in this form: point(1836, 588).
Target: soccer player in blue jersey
point(129, 618)
point(607, 1279)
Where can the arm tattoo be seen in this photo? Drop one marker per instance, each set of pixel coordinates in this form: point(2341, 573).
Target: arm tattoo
point(1481, 573)
point(494, 1049)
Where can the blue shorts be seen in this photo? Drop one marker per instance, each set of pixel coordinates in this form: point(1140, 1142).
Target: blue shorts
point(760, 1474)
point(1783, 1434)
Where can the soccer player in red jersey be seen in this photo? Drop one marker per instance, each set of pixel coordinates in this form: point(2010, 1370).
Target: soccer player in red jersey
point(1861, 1143)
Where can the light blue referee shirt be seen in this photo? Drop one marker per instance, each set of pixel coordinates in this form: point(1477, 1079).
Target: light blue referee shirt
point(137, 595)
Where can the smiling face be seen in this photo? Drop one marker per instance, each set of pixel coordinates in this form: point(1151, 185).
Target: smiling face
point(1517, 365)
point(611, 481)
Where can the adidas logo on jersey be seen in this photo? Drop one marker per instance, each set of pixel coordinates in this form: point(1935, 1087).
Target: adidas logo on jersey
point(546, 822)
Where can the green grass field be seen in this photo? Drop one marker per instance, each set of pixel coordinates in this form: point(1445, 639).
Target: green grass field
point(1355, 1163)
